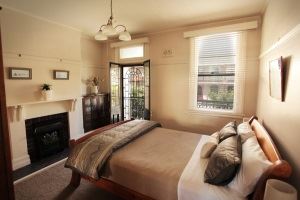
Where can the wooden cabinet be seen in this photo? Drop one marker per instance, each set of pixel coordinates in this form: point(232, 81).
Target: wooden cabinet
point(95, 111)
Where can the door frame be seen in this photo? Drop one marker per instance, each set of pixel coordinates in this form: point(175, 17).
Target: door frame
point(6, 181)
point(122, 65)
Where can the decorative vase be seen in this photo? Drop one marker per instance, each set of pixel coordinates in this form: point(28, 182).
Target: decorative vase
point(47, 94)
point(94, 90)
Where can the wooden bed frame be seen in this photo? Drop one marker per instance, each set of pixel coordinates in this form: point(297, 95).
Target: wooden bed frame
point(280, 168)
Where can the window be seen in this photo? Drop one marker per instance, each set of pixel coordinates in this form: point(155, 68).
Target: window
point(217, 72)
point(132, 52)
point(230, 88)
point(213, 88)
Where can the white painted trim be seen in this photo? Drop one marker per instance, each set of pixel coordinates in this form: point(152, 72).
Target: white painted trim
point(285, 38)
point(21, 162)
point(129, 43)
point(39, 171)
point(221, 29)
point(198, 26)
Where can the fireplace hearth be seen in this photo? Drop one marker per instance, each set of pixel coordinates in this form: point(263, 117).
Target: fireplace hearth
point(47, 135)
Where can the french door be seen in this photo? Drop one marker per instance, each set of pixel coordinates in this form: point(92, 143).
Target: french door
point(130, 91)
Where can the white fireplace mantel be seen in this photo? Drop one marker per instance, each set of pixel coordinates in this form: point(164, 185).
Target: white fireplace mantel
point(17, 110)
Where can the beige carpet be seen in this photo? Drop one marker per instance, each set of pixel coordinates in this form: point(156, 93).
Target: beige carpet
point(52, 183)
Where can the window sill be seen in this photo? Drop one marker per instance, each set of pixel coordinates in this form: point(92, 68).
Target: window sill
point(216, 113)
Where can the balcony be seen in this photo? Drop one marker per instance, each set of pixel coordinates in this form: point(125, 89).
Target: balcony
point(218, 105)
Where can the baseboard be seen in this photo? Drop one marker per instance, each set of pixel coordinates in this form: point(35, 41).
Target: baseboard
point(20, 162)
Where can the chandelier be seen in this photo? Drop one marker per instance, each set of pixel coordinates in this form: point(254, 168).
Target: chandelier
point(108, 29)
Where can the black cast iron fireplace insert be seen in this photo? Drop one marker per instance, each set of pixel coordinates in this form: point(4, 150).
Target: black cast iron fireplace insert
point(47, 135)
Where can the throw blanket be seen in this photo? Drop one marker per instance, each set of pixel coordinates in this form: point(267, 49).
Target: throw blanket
point(89, 157)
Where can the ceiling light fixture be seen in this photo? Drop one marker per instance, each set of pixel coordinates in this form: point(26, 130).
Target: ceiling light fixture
point(107, 30)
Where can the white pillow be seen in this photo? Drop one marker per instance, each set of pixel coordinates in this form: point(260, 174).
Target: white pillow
point(208, 147)
point(254, 164)
point(216, 135)
point(245, 131)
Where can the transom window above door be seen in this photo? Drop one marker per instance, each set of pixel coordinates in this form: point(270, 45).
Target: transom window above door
point(132, 52)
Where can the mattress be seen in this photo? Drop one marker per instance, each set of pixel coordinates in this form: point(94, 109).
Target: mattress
point(154, 164)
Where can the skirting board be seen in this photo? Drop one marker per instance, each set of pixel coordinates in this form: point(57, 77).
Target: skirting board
point(20, 162)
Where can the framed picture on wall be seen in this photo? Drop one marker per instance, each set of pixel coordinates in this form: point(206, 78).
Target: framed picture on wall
point(61, 75)
point(20, 73)
point(276, 78)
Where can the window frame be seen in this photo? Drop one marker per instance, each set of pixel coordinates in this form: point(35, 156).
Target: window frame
point(193, 82)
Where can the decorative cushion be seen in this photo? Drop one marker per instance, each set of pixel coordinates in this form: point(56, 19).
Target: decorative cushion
point(254, 164)
point(216, 135)
point(245, 131)
point(208, 147)
point(227, 131)
point(224, 161)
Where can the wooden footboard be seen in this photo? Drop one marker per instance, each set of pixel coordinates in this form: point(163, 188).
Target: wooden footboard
point(280, 169)
point(102, 183)
point(76, 177)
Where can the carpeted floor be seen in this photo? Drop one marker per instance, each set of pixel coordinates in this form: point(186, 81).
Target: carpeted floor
point(52, 183)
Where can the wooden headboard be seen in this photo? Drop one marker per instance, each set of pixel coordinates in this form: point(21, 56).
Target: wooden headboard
point(280, 168)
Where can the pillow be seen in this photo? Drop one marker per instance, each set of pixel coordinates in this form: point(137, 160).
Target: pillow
point(254, 164)
point(245, 131)
point(216, 135)
point(208, 147)
point(227, 131)
point(224, 162)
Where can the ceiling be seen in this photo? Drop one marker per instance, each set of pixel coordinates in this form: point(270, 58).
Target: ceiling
point(139, 16)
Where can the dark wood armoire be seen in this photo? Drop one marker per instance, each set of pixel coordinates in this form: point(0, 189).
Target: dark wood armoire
point(95, 111)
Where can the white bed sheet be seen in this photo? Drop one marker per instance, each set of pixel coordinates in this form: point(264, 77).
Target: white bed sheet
point(191, 184)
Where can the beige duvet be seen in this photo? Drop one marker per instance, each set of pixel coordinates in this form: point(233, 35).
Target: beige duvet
point(153, 163)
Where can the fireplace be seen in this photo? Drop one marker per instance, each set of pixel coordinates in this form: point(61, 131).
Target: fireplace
point(47, 135)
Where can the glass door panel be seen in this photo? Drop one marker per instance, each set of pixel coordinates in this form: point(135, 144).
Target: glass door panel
point(115, 92)
point(133, 92)
point(147, 89)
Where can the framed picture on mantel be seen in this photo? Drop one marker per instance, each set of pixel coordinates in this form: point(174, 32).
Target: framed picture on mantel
point(276, 78)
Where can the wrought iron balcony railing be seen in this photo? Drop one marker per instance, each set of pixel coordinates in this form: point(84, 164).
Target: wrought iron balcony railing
point(210, 104)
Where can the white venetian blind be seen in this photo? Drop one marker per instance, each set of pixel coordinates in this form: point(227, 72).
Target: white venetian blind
point(217, 72)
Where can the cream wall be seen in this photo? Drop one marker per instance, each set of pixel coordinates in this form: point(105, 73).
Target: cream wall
point(170, 80)
point(282, 118)
point(92, 64)
point(170, 83)
point(45, 46)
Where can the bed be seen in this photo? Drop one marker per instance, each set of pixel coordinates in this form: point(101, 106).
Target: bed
point(153, 165)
